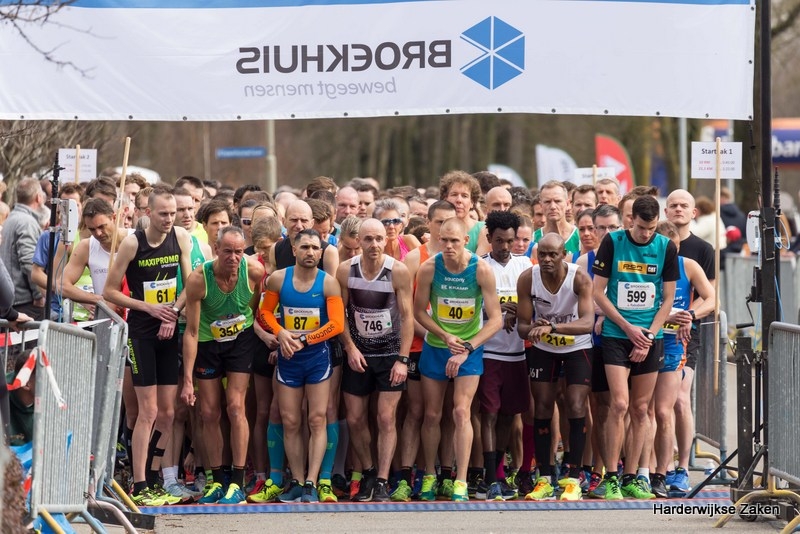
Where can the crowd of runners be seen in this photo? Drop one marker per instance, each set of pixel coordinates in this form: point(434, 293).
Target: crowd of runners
point(471, 340)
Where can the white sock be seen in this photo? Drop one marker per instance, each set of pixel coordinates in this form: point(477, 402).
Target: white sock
point(170, 475)
point(643, 471)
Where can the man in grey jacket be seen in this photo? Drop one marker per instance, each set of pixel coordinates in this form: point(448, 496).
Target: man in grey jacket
point(20, 234)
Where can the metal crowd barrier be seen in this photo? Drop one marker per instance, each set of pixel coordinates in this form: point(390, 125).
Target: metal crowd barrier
point(62, 431)
point(783, 402)
point(711, 406)
point(737, 277)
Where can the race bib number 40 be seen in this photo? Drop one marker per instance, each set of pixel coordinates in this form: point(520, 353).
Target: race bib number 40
point(455, 311)
point(373, 324)
point(636, 295)
point(160, 291)
point(227, 329)
point(302, 320)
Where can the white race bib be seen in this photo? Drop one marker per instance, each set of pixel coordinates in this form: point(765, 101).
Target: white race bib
point(636, 295)
point(373, 324)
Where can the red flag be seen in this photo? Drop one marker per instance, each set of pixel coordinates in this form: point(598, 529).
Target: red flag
point(610, 153)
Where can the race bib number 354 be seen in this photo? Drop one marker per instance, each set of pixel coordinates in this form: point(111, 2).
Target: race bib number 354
point(227, 329)
point(160, 291)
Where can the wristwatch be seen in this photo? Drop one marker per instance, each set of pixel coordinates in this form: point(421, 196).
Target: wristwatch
point(648, 334)
point(469, 347)
point(304, 340)
point(403, 359)
point(553, 328)
point(691, 312)
point(176, 310)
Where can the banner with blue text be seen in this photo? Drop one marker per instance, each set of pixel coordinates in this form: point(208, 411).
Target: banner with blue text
point(189, 60)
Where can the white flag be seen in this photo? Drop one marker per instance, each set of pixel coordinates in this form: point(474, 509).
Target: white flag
point(504, 172)
point(554, 164)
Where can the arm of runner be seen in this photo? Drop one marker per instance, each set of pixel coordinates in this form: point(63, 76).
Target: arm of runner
point(491, 304)
point(421, 301)
point(195, 288)
point(582, 286)
point(335, 324)
point(355, 359)
point(113, 294)
point(524, 304)
point(401, 279)
point(78, 261)
point(185, 243)
point(412, 262)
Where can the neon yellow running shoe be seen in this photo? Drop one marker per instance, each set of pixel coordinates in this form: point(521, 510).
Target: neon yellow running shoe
point(541, 491)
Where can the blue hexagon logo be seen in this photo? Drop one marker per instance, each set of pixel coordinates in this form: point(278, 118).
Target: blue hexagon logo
point(502, 53)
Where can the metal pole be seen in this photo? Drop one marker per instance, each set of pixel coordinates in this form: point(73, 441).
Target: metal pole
point(683, 152)
point(51, 248)
point(272, 159)
point(770, 271)
point(207, 150)
point(731, 182)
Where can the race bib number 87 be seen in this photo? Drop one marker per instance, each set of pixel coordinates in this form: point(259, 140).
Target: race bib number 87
point(301, 320)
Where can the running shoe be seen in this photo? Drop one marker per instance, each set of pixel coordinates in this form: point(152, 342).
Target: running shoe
point(524, 483)
point(482, 490)
point(670, 478)
point(585, 478)
point(234, 495)
point(416, 484)
point(367, 488)
point(612, 491)
point(596, 489)
point(355, 487)
point(459, 490)
point(257, 488)
point(147, 498)
point(499, 491)
point(325, 491)
point(200, 482)
point(509, 493)
point(212, 494)
point(381, 492)
point(658, 486)
point(339, 485)
point(572, 489)
point(158, 491)
point(187, 496)
point(429, 488)
point(511, 479)
point(293, 493)
point(681, 480)
point(644, 482)
point(402, 493)
point(269, 493)
point(445, 491)
point(637, 490)
point(472, 484)
point(309, 493)
point(541, 491)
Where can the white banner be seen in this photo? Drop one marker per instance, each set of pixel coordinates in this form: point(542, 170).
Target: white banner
point(280, 59)
point(554, 164)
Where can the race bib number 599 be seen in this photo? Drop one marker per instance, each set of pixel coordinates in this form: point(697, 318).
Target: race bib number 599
point(636, 295)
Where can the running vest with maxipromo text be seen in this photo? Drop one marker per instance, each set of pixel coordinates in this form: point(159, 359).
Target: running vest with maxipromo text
point(506, 346)
point(456, 301)
point(635, 286)
point(572, 244)
point(223, 316)
point(152, 277)
point(683, 300)
point(373, 318)
point(303, 313)
point(559, 308)
point(284, 255)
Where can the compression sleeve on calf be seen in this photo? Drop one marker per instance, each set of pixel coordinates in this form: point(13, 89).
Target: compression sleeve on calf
point(335, 324)
point(267, 311)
